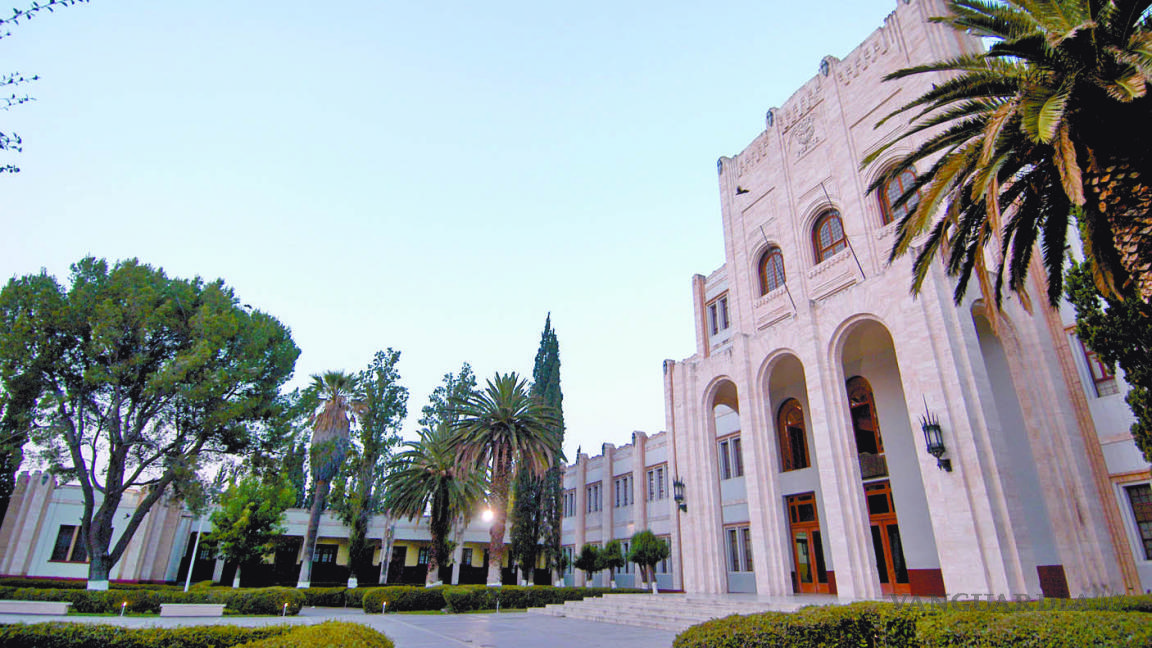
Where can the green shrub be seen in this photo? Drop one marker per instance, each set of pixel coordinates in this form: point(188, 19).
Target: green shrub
point(58, 583)
point(324, 635)
point(1035, 630)
point(403, 598)
point(882, 625)
point(83, 635)
point(269, 600)
point(266, 600)
point(479, 597)
point(326, 596)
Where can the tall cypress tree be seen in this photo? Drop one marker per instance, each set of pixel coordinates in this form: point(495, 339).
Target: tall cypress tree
point(536, 514)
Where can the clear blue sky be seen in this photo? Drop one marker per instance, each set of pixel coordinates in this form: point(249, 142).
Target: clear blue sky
point(431, 176)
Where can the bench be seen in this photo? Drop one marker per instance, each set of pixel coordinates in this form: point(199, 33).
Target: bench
point(191, 609)
point(58, 608)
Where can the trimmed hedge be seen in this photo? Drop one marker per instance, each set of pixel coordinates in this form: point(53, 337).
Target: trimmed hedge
point(882, 625)
point(459, 599)
point(326, 635)
point(1093, 622)
point(334, 596)
point(403, 598)
point(268, 600)
point(84, 635)
point(1035, 630)
point(57, 583)
point(464, 598)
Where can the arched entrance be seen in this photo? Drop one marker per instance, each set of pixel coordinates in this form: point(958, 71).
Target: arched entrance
point(899, 524)
point(787, 396)
point(739, 564)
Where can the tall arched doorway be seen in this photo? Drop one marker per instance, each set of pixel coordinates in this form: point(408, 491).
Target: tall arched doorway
point(899, 523)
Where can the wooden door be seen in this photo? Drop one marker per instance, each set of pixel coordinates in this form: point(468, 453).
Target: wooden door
point(809, 573)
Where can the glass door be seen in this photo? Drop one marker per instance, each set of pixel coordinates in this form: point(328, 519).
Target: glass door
point(886, 544)
point(809, 573)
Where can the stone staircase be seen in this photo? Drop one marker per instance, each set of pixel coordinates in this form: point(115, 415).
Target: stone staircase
point(675, 612)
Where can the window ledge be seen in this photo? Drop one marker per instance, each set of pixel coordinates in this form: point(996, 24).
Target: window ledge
point(832, 275)
point(772, 307)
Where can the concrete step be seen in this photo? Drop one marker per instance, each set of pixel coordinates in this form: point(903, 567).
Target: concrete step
point(672, 612)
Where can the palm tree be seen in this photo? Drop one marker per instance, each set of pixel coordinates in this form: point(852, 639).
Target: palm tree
point(499, 428)
point(427, 477)
point(1051, 122)
point(330, 427)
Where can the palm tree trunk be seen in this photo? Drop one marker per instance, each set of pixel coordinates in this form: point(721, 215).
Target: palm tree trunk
point(501, 474)
point(318, 498)
point(1124, 198)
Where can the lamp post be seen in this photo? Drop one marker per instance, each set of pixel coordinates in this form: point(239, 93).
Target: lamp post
point(934, 439)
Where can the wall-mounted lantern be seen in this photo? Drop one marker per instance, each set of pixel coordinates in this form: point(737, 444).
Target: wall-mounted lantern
point(934, 439)
point(678, 495)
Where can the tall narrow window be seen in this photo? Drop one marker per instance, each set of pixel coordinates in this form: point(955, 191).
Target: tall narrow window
point(828, 235)
point(656, 484)
point(791, 433)
point(890, 195)
point(68, 547)
point(739, 549)
point(864, 419)
point(1140, 497)
point(718, 315)
point(725, 461)
point(771, 270)
point(737, 458)
point(1103, 378)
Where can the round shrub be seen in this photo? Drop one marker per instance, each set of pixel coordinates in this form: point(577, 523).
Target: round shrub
point(323, 635)
point(402, 598)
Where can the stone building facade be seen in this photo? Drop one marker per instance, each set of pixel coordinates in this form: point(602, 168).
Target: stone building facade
point(797, 425)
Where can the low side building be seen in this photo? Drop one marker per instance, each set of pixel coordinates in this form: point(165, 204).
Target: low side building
point(40, 539)
point(615, 495)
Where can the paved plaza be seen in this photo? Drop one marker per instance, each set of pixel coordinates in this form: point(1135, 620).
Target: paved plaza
point(508, 630)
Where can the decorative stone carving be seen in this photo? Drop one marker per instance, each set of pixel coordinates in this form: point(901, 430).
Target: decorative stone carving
point(806, 135)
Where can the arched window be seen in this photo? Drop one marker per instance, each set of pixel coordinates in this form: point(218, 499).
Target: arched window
point(828, 235)
point(892, 190)
point(793, 440)
point(865, 423)
point(771, 270)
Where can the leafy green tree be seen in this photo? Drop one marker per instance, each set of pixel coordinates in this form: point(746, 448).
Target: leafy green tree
point(498, 428)
point(647, 550)
point(539, 499)
point(612, 558)
point(1052, 120)
point(427, 478)
point(9, 82)
point(382, 406)
point(455, 388)
point(249, 519)
point(136, 378)
point(1120, 333)
point(588, 561)
point(330, 433)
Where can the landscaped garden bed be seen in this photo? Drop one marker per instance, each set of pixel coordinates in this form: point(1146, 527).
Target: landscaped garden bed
point(1101, 622)
point(267, 600)
point(83, 635)
point(467, 598)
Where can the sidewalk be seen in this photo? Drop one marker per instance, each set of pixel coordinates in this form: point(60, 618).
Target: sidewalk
point(508, 630)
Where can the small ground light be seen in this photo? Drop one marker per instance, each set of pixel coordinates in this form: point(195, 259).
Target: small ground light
point(384, 607)
point(285, 612)
point(123, 606)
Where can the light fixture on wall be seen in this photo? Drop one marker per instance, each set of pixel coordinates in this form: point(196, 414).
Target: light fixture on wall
point(934, 439)
point(678, 495)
